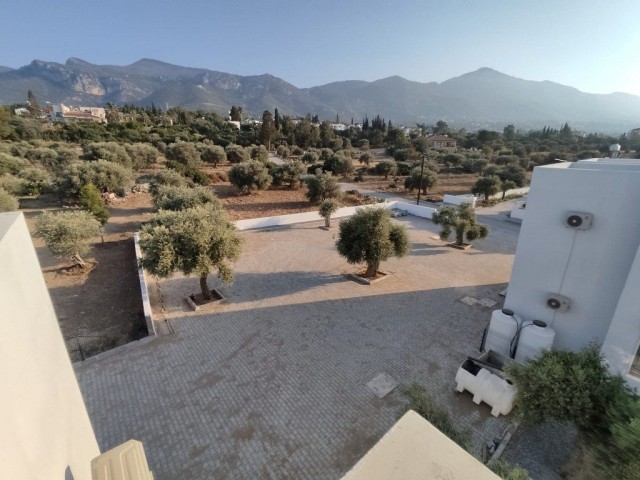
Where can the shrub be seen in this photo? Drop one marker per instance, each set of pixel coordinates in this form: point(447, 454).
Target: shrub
point(236, 154)
point(91, 201)
point(191, 172)
point(283, 152)
point(365, 158)
point(250, 176)
point(259, 153)
point(386, 168)
point(184, 153)
point(67, 234)
point(321, 186)
point(506, 471)
point(169, 178)
point(181, 198)
point(47, 157)
point(109, 151)
point(310, 157)
point(327, 208)
point(37, 181)
point(8, 203)
point(474, 165)
point(10, 164)
point(142, 155)
point(212, 154)
point(106, 176)
point(293, 172)
point(12, 184)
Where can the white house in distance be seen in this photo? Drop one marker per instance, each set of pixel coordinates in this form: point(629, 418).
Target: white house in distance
point(62, 113)
point(577, 264)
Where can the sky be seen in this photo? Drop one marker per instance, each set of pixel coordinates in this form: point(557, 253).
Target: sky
point(588, 44)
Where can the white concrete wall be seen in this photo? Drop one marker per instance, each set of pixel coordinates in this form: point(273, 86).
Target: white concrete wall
point(144, 289)
point(460, 199)
point(590, 267)
point(517, 212)
point(623, 339)
point(45, 425)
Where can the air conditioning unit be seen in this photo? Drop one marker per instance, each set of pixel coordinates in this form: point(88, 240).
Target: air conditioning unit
point(579, 220)
point(559, 303)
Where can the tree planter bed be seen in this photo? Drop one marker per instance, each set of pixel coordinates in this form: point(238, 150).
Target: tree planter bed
point(368, 280)
point(196, 301)
point(464, 246)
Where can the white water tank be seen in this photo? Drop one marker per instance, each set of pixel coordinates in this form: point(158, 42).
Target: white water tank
point(534, 338)
point(486, 387)
point(502, 329)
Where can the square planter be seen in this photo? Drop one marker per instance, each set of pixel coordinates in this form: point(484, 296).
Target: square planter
point(195, 301)
point(464, 246)
point(380, 275)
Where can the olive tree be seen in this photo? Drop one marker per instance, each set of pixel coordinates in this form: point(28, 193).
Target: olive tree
point(321, 186)
point(327, 208)
point(236, 154)
point(461, 221)
point(195, 241)
point(292, 173)
point(250, 176)
point(213, 154)
point(169, 178)
point(386, 168)
point(486, 186)
point(185, 153)
point(67, 234)
point(106, 176)
point(370, 237)
point(414, 181)
point(168, 197)
point(8, 203)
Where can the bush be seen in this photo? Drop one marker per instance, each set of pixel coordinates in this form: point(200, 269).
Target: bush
point(403, 169)
point(191, 172)
point(47, 157)
point(8, 203)
point(212, 154)
point(67, 234)
point(142, 155)
point(259, 153)
point(10, 164)
point(184, 153)
point(327, 208)
point(91, 201)
point(506, 471)
point(250, 176)
point(321, 186)
point(293, 172)
point(310, 157)
point(109, 151)
point(474, 165)
point(365, 158)
point(386, 168)
point(37, 181)
point(236, 154)
point(106, 176)
point(12, 184)
point(181, 198)
point(169, 178)
point(283, 152)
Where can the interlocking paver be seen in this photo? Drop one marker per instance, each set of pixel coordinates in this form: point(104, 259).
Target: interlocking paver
point(272, 384)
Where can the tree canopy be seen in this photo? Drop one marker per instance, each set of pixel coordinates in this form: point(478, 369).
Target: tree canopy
point(67, 234)
point(195, 241)
point(369, 236)
point(461, 221)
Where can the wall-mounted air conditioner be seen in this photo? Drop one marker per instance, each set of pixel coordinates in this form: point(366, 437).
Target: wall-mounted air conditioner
point(579, 220)
point(559, 303)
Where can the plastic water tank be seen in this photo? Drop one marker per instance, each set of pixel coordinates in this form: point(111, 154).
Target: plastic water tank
point(502, 328)
point(486, 387)
point(534, 338)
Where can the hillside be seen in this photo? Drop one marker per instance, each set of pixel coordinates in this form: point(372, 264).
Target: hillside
point(481, 99)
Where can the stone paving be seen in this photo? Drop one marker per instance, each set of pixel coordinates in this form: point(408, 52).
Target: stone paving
point(273, 383)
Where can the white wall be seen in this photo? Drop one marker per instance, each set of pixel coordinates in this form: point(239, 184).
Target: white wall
point(45, 426)
point(623, 339)
point(590, 267)
point(460, 199)
point(513, 191)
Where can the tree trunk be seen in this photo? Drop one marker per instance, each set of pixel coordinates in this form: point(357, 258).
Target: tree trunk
point(327, 222)
point(504, 194)
point(372, 269)
point(460, 236)
point(206, 291)
point(78, 260)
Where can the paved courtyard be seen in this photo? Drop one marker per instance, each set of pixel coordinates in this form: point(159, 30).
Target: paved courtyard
point(272, 384)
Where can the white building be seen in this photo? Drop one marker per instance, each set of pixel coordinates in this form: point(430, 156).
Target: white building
point(46, 432)
point(62, 113)
point(580, 244)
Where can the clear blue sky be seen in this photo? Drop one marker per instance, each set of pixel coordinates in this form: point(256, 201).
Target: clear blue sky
point(591, 45)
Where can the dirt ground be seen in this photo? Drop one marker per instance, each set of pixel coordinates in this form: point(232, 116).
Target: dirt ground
point(100, 308)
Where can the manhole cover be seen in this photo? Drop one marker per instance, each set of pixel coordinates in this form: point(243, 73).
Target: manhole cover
point(487, 302)
point(469, 301)
point(382, 385)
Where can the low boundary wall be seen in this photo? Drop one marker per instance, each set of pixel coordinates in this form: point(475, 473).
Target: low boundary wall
point(144, 290)
point(513, 191)
point(460, 199)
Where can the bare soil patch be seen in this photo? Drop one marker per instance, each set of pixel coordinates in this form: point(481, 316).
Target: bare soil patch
point(99, 306)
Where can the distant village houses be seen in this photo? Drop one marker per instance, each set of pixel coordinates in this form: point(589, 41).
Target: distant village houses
point(62, 113)
point(443, 142)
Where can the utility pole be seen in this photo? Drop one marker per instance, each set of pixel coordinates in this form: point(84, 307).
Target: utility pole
point(421, 173)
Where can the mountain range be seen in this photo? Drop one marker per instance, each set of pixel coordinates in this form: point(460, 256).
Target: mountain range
point(484, 98)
